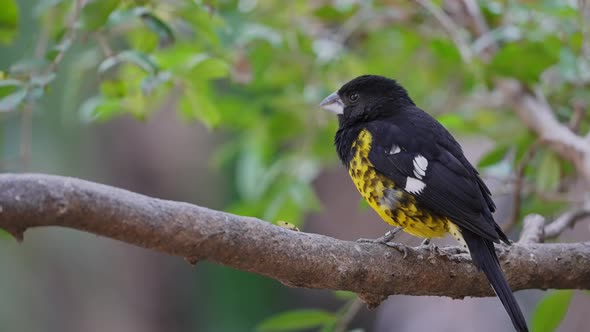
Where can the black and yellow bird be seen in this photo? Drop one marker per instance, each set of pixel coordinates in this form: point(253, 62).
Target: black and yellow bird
point(413, 173)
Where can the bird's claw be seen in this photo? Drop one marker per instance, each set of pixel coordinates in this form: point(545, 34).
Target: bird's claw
point(399, 247)
point(428, 245)
point(384, 239)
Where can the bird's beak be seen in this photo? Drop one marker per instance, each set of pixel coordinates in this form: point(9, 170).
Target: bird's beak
point(333, 103)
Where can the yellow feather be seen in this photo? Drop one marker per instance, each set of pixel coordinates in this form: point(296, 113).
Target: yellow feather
point(372, 186)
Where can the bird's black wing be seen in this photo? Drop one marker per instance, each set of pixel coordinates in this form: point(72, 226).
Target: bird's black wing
point(450, 188)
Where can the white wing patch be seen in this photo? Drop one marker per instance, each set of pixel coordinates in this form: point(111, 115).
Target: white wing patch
point(414, 185)
point(394, 149)
point(420, 166)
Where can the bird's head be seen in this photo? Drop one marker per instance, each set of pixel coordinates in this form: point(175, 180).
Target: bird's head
point(367, 98)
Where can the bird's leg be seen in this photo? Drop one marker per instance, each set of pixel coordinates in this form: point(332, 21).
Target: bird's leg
point(384, 239)
point(426, 244)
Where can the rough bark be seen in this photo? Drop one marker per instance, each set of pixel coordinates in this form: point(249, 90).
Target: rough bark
point(294, 258)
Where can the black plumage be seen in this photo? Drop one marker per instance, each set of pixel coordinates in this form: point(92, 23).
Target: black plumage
point(413, 152)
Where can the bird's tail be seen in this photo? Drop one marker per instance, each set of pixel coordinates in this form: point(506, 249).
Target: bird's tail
point(485, 259)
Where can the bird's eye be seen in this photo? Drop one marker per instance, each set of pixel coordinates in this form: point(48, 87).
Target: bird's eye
point(353, 96)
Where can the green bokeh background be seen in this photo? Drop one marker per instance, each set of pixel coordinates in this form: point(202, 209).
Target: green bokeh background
point(215, 103)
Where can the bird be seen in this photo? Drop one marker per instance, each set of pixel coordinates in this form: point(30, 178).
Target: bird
point(413, 173)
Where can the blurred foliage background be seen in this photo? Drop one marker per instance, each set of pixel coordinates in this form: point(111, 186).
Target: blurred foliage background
point(214, 102)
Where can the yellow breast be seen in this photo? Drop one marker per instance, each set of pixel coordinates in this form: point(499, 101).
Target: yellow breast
point(394, 206)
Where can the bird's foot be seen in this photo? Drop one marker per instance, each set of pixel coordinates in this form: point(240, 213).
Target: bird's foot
point(402, 248)
point(384, 239)
point(427, 244)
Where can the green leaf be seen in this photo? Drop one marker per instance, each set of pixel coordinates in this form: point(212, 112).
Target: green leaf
point(35, 92)
point(43, 79)
point(8, 21)
point(344, 295)
point(445, 49)
point(282, 207)
point(568, 65)
point(524, 60)
point(183, 60)
point(494, 156)
point(197, 104)
point(256, 31)
point(304, 197)
point(452, 121)
point(363, 205)
point(5, 235)
point(58, 48)
point(114, 89)
point(533, 204)
point(27, 66)
point(250, 169)
point(549, 172)
point(99, 109)
point(8, 86)
point(124, 16)
point(522, 144)
point(551, 310)
point(296, 320)
point(140, 59)
point(95, 14)
point(10, 102)
point(164, 32)
point(333, 13)
point(152, 82)
point(204, 24)
point(205, 67)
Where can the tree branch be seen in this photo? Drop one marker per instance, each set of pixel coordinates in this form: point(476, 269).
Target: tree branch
point(518, 184)
point(566, 220)
point(294, 258)
point(536, 113)
point(533, 229)
point(453, 30)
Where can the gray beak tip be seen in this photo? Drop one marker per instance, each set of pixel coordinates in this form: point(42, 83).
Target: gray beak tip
point(333, 103)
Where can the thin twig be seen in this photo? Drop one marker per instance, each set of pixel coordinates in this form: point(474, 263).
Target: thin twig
point(454, 31)
point(106, 49)
point(27, 113)
point(352, 25)
point(584, 15)
point(71, 32)
point(536, 113)
point(41, 46)
point(479, 22)
point(565, 221)
point(518, 184)
point(553, 196)
point(578, 115)
point(481, 29)
point(352, 310)
point(26, 133)
point(507, 188)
